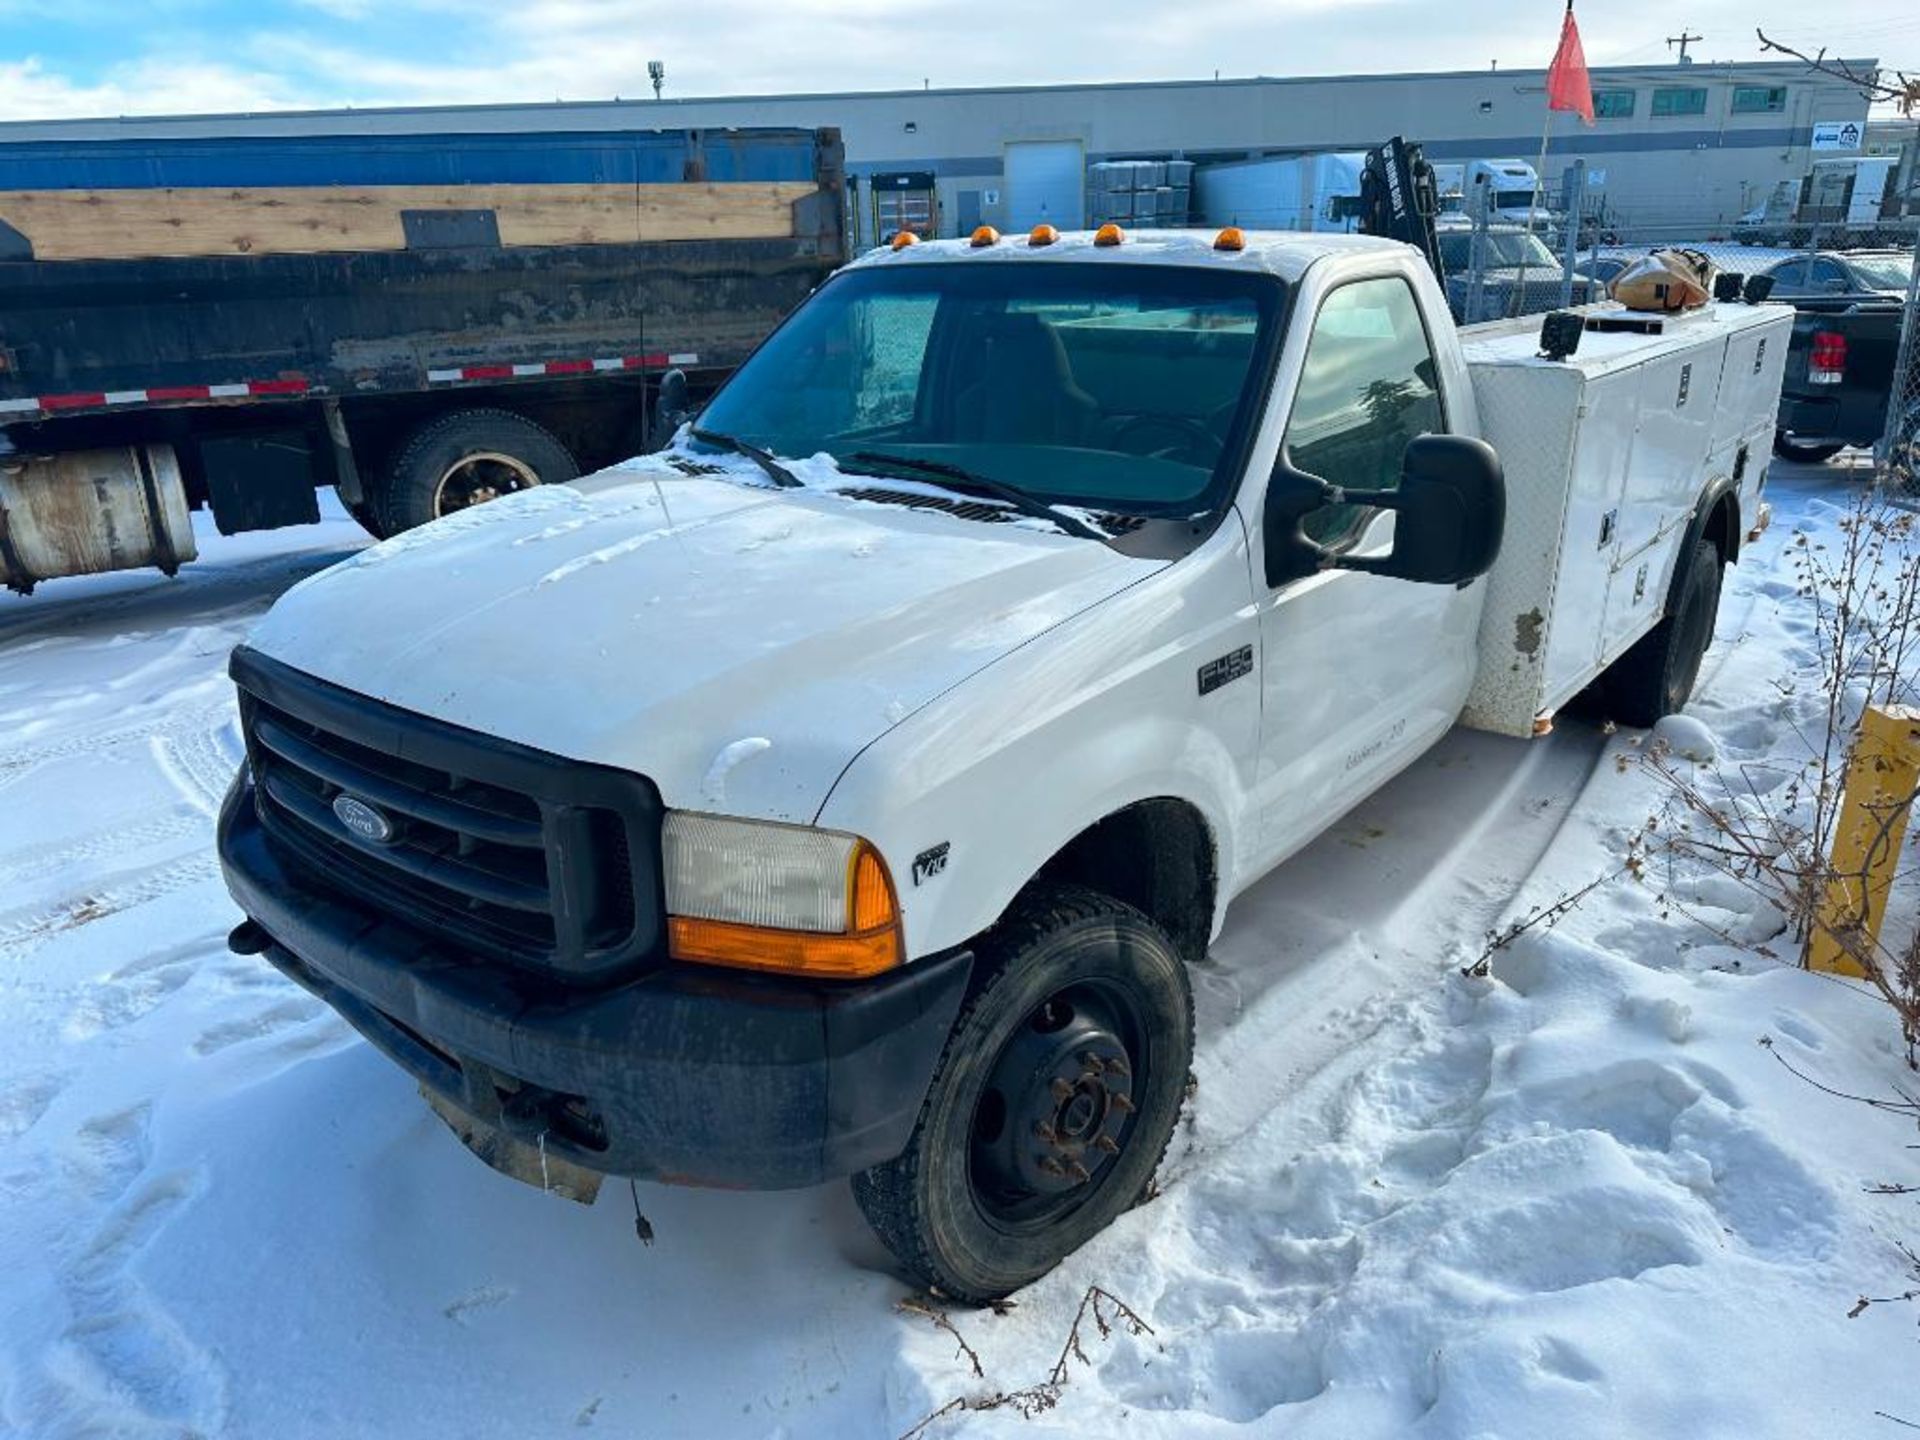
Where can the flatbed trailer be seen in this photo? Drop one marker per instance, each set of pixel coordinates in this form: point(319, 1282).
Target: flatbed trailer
point(421, 324)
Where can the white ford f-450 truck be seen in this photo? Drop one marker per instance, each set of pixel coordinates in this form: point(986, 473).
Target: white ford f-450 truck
point(845, 789)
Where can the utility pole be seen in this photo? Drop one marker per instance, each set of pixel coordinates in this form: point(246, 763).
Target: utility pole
point(1683, 39)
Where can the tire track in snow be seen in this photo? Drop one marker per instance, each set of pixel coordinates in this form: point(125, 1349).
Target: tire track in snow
point(200, 762)
point(23, 932)
point(18, 763)
point(100, 845)
point(121, 1364)
point(1341, 937)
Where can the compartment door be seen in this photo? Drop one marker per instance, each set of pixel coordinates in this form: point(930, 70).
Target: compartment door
point(1602, 453)
point(1665, 474)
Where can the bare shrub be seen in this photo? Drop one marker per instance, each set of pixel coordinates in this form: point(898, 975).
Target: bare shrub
point(1107, 1312)
point(1769, 825)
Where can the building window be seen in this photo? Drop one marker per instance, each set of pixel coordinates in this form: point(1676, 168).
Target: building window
point(1758, 99)
point(1613, 104)
point(1679, 100)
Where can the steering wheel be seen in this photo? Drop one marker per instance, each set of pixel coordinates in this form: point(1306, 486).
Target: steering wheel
point(1195, 438)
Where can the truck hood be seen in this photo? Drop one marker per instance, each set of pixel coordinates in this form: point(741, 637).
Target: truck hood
point(737, 644)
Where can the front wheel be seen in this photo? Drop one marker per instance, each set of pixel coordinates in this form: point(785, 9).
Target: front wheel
point(1052, 1103)
point(1808, 452)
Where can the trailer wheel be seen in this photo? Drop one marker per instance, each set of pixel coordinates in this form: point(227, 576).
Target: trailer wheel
point(1656, 677)
point(1807, 452)
point(1052, 1103)
point(465, 459)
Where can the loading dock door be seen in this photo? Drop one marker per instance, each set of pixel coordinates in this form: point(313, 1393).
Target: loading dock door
point(1046, 181)
point(905, 200)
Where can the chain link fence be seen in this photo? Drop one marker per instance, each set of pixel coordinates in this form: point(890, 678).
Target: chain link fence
point(1897, 458)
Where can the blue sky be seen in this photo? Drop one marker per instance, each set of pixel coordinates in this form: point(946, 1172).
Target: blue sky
point(89, 57)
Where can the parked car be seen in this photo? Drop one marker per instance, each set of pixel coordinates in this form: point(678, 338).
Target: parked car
point(1843, 275)
point(1839, 379)
point(1023, 601)
point(1601, 269)
point(1512, 256)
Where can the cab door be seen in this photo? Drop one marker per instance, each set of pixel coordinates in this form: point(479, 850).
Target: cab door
point(1359, 672)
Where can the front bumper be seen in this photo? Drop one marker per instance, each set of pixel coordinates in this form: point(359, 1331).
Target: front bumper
point(682, 1074)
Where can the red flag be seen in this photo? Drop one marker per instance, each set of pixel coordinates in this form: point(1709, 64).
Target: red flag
point(1567, 84)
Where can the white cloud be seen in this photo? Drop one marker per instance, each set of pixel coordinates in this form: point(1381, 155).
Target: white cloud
point(318, 52)
point(150, 86)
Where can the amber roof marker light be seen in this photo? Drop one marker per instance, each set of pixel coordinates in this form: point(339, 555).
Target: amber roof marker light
point(905, 238)
point(1231, 238)
point(1042, 234)
point(983, 236)
point(1109, 234)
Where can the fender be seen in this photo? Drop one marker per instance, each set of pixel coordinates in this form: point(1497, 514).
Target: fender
point(1719, 491)
point(971, 796)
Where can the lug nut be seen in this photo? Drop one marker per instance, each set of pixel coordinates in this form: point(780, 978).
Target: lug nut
point(1062, 1088)
point(1108, 1144)
point(1117, 1066)
point(1051, 1166)
point(1078, 1173)
point(1047, 1133)
point(1123, 1103)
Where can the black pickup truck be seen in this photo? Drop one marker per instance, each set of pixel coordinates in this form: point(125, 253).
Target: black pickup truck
point(1839, 376)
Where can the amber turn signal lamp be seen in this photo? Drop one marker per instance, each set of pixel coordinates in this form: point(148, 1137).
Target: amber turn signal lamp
point(984, 236)
point(1231, 238)
point(871, 944)
point(1109, 234)
point(905, 238)
point(1043, 234)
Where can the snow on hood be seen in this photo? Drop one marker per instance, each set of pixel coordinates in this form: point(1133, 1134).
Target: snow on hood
point(737, 643)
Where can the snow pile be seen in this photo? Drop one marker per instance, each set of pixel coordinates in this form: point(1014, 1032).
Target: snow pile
point(1574, 1196)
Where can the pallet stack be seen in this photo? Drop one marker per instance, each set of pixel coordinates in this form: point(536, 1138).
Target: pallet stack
point(1140, 194)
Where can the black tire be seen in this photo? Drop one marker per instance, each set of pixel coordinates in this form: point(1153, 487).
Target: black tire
point(1656, 677)
point(367, 517)
point(1807, 452)
point(1071, 980)
point(466, 458)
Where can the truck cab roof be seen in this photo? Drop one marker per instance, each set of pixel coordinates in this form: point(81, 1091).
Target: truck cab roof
point(1284, 253)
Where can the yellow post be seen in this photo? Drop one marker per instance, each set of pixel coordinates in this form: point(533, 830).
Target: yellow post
point(1884, 772)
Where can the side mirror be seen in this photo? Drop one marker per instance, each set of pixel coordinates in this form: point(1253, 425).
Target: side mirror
point(1452, 508)
point(672, 406)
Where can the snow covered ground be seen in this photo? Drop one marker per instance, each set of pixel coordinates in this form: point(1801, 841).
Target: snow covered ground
point(1575, 1198)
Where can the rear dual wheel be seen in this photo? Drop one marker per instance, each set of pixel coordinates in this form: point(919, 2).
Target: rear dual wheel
point(464, 459)
point(1052, 1103)
point(1655, 678)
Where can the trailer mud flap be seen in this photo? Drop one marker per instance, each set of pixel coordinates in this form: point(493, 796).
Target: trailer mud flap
point(530, 1164)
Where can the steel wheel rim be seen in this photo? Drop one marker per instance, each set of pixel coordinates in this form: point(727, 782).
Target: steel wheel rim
point(478, 477)
point(1075, 1064)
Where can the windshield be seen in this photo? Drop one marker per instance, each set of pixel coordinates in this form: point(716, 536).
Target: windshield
point(1885, 272)
point(1129, 388)
point(1502, 249)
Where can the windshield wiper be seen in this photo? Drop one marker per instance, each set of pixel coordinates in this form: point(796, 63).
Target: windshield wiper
point(776, 472)
point(953, 477)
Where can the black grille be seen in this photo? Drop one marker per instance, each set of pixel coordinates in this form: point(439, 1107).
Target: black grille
point(500, 849)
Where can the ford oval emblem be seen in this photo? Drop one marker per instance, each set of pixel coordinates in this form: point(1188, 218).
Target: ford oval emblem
point(363, 820)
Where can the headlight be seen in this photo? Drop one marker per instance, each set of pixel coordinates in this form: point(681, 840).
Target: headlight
point(784, 898)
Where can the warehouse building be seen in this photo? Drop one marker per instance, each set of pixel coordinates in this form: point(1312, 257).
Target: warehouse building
point(1686, 148)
